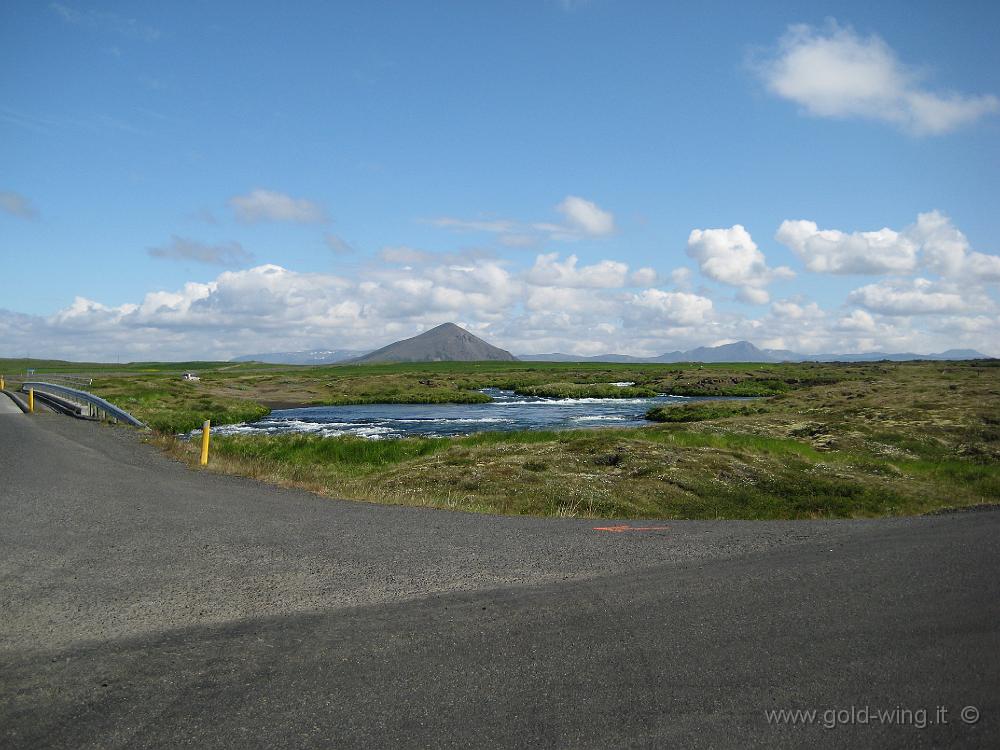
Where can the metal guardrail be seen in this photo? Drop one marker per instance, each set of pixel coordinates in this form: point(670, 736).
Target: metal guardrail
point(64, 405)
point(18, 401)
point(87, 398)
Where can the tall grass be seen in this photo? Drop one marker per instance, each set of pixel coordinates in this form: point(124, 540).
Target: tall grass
point(342, 452)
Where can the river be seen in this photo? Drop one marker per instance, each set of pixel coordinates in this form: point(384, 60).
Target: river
point(507, 412)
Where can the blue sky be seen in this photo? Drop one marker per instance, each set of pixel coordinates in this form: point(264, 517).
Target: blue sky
point(244, 177)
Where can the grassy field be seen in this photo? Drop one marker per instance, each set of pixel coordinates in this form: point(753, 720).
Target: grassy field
point(823, 441)
point(837, 441)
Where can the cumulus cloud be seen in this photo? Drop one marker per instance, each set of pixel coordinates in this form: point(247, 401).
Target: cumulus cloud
point(836, 72)
point(181, 248)
point(555, 302)
point(833, 251)
point(792, 310)
point(946, 250)
point(857, 320)
point(586, 217)
point(16, 204)
point(753, 295)
point(268, 205)
point(643, 277)
point(912, 297)
point(550, 304)
point(730, 256)
point(669, 308)
point(582, 303)
point(548, 270)
point(932, 243)
point(681, 277)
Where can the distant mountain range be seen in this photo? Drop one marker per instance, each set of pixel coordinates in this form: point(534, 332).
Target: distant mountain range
point(450, 343)
point(744, 351)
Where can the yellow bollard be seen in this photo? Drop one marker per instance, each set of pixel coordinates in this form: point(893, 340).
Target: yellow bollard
point(206, 433)
point(2, 386)
point(31, 400)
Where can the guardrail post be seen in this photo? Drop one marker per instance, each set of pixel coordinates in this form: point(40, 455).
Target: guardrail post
point(206, 432)
point(31, 400)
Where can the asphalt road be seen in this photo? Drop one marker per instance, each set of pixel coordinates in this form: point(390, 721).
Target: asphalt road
point(143, 604)
point(7, 405)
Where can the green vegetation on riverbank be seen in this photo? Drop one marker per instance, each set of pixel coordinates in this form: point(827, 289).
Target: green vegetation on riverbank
point(702, 411)
point(585, 390)
point(823, 441)
point(876, 440)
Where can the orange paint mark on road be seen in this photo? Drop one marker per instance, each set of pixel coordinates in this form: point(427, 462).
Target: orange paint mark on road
point(622, 528)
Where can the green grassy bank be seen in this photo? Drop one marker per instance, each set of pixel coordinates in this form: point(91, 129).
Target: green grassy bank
point(844, 442)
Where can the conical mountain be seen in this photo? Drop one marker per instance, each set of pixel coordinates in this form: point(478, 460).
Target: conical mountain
point(446, 343)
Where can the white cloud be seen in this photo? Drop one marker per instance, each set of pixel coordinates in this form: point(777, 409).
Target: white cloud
point(580, 302)
point(835, 72)
point(582, 219)
point(669, 308)
point(16, 204)
point(983, 267)
point(916, 297)
point(681, 277)
point(268, 205)
point(833, 251)
point(555, 303)
point(791, 310)
point(857, 321)
point(586, 217)
point(946, 250)
point(549, 304)
point(643, 277)
point(753, 295)
point(730, 256)
point(180, 248)
point(932, 242)
point(548, 270)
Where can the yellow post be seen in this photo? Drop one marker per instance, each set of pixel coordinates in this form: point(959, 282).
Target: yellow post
point(31, 400)
point(206, 432)
point(2, 386)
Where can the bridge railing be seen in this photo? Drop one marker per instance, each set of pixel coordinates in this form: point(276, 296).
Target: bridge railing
point(98, 403)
